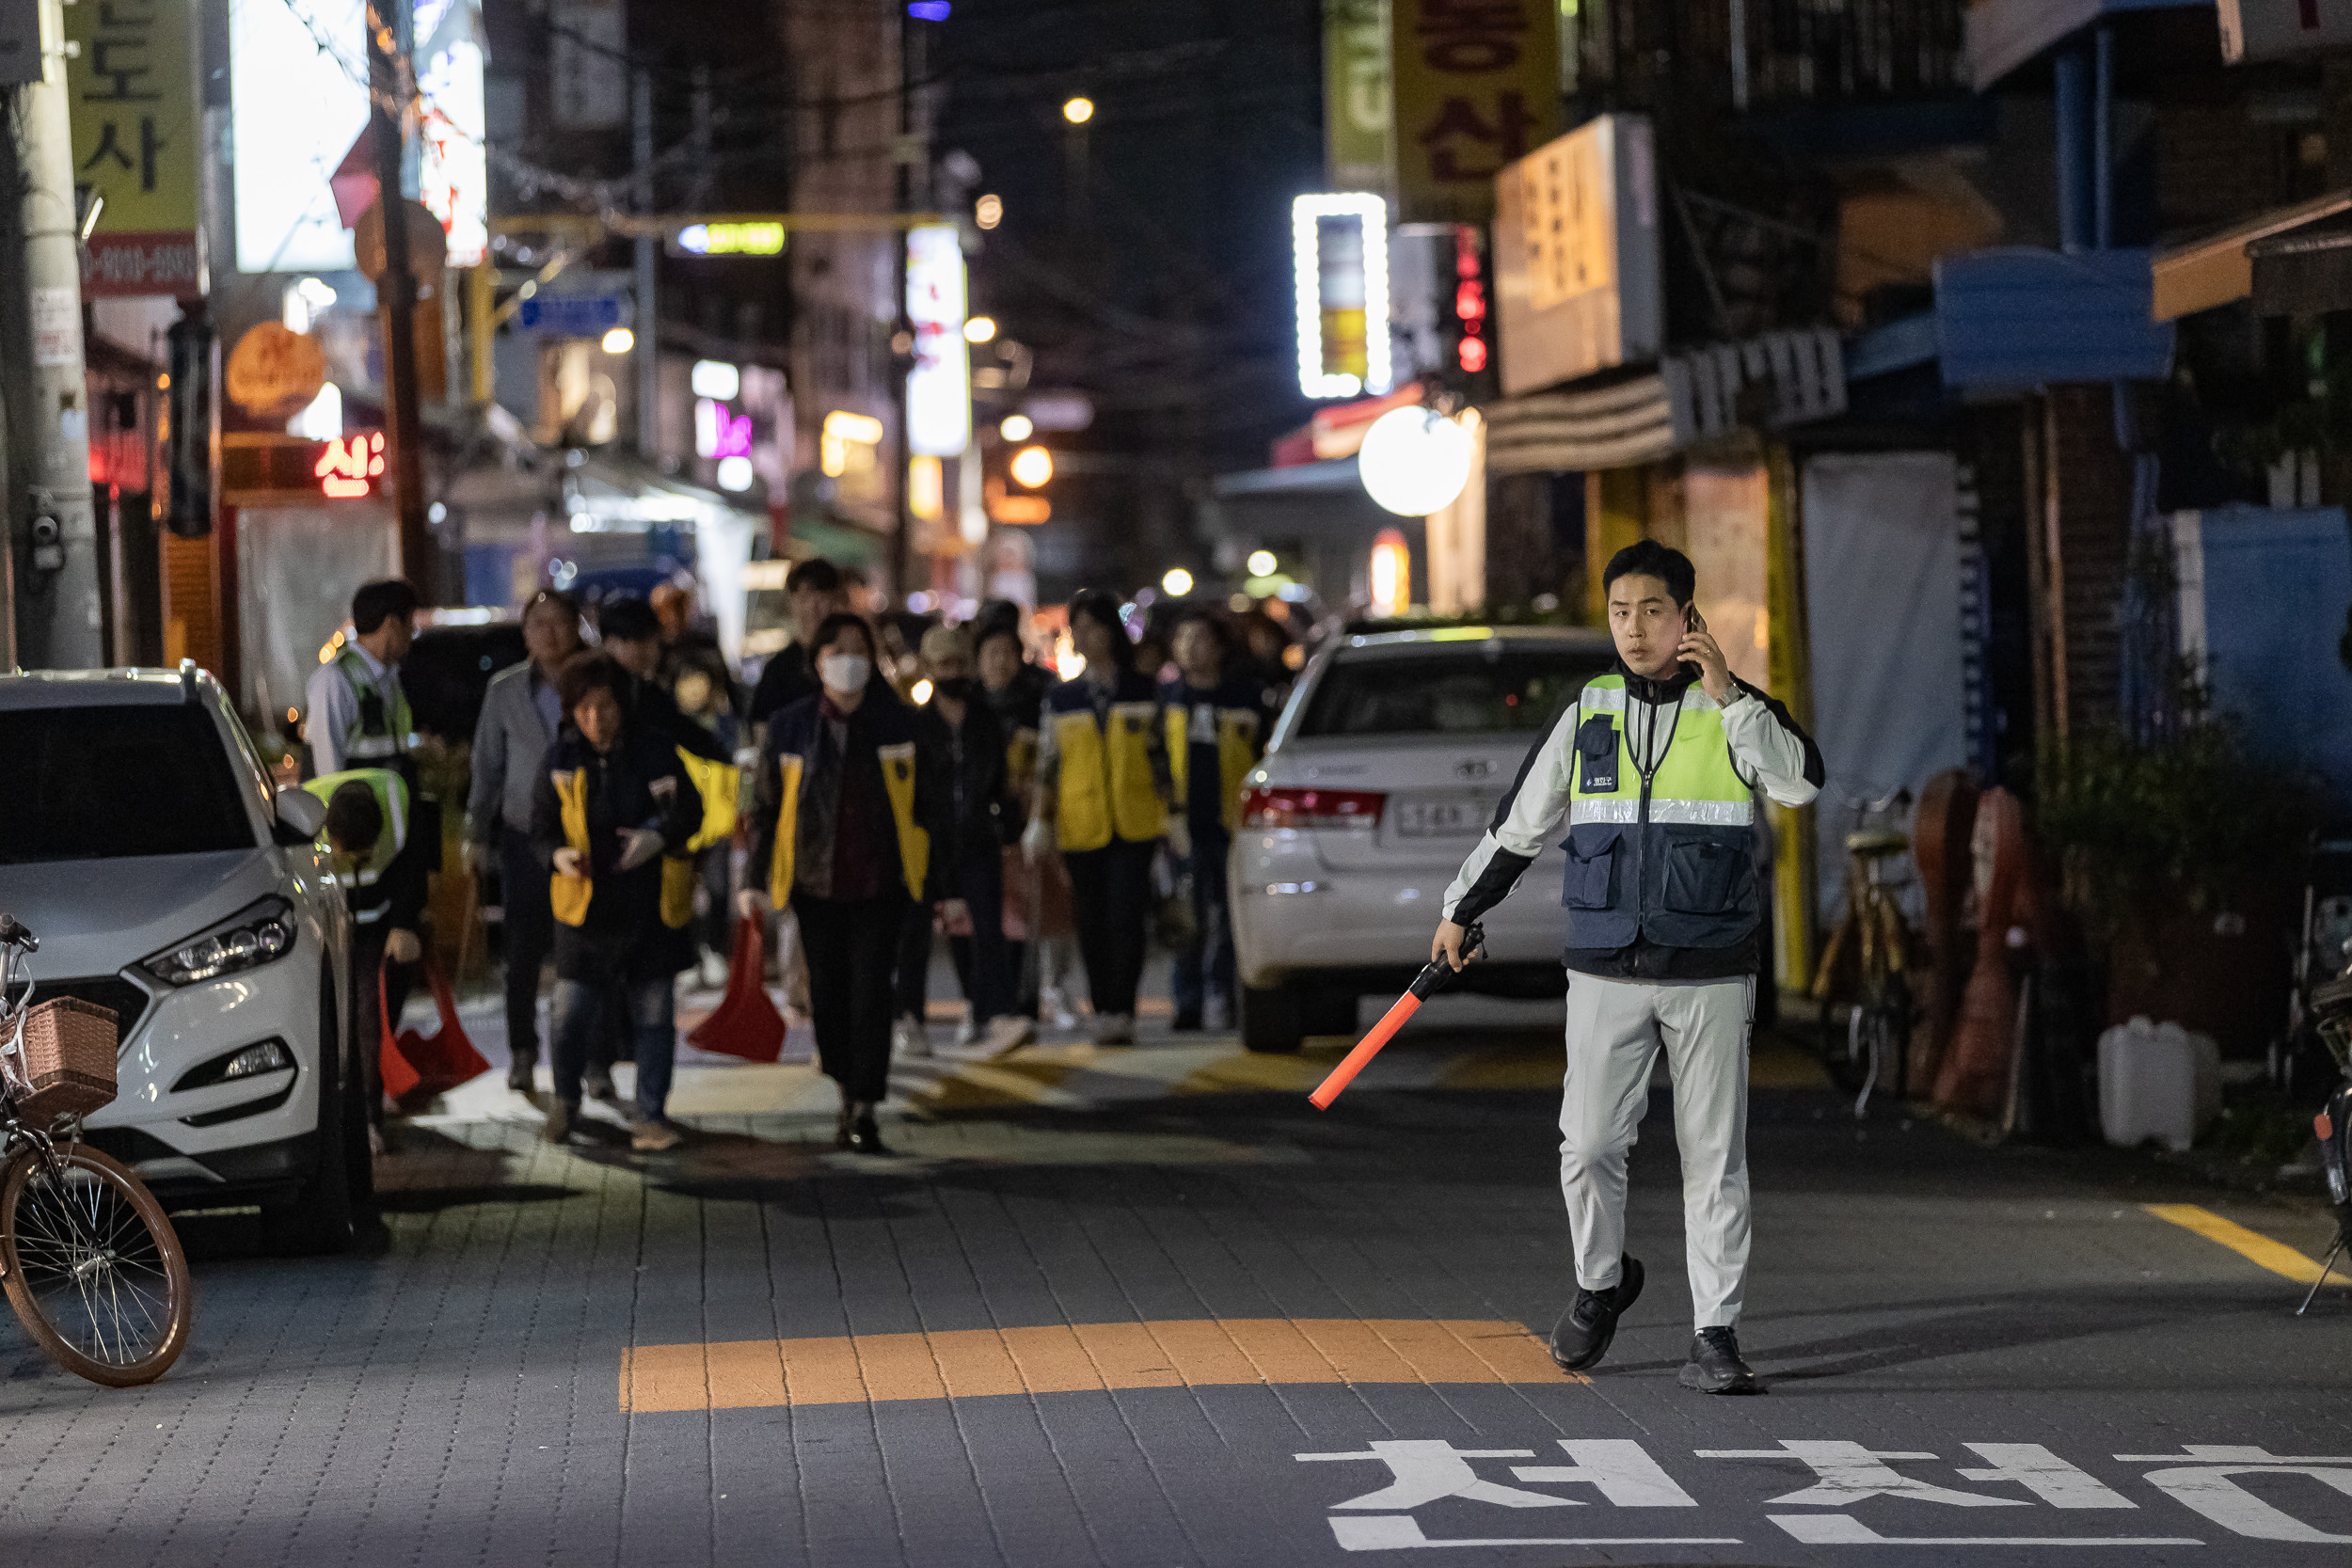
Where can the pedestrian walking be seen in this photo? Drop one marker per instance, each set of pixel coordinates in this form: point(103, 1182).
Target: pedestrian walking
point(1101, 797)
point(844, 827)
point(1219, 715)
point(521, 713)
point(1038, 925)
point(611, 813)
point(959, 729)
point(1654, 771)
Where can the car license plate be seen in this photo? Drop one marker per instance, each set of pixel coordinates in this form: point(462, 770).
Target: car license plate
point(1442, 818)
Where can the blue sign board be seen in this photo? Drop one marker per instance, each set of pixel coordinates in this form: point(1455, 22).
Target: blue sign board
point(571, 315)
point(2014, 318)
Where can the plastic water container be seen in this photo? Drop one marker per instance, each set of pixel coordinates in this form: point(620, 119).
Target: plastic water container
point(2157, 1081)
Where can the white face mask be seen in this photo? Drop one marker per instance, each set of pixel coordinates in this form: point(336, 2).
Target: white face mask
point(844, 673)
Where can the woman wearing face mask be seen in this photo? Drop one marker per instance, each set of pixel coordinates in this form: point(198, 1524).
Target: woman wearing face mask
point(845, 824)
point(1102, 794)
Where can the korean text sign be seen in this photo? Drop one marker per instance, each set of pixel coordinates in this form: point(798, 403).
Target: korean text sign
point(1477, 84)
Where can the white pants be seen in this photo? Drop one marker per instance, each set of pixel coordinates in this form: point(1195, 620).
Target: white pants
point(1614, 1030)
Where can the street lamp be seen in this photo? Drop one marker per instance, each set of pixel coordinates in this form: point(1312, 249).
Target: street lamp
point(1261, 563)
point(620, 339)
point(1177, 582)
point(989, 210)
point(1017, 427)
point(980, 329)
point(1079, 110)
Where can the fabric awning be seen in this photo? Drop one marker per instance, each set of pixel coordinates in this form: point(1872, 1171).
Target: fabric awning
point(2218, 269)
point(1703, 394)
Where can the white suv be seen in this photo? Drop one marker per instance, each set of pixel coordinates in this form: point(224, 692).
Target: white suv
point(142, 842)
point(1386, 763)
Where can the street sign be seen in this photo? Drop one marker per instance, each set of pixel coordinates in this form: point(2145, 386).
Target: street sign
point(2274, 29)
point(572, 315)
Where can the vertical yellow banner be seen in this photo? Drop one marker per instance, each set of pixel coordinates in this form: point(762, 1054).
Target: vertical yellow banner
point(1477, 84)
point(136, 143)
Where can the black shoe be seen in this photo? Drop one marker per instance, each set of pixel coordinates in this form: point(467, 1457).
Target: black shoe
point(1582, 1336)
point(520, 1071)
point(1186, 1023)
point(597, 1085)
point(1715, 1367)
point(844, 1131)
point(865, 1138)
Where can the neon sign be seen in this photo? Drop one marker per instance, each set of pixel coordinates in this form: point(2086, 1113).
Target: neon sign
point(731, 239)
point(1341, 282)
point(349, 465)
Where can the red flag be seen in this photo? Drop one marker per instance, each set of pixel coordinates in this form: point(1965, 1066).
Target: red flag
point(745, 1024)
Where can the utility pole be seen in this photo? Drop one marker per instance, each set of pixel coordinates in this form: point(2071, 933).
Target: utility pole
point(648, 366)
point(53, 525)
point(392, 92)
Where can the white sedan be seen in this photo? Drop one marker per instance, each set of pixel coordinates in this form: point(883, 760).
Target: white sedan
point(1386, 763)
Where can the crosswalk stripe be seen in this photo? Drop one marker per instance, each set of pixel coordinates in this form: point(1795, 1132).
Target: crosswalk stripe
point(1069, 1358)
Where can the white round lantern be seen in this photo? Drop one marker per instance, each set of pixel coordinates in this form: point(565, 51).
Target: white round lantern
point(1415, 461)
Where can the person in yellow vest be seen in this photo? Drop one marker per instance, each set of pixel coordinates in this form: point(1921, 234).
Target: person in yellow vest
point(384, 882)
point(1218, 716)
point(846, 818)
point(1655, 771)
point(359, 715)
point(611, 814)
point(1102, 796)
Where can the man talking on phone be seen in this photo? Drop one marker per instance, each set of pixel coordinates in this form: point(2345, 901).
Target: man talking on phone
point(1655, 771)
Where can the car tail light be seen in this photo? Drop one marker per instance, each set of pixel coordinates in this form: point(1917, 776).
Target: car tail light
point(1312, 808)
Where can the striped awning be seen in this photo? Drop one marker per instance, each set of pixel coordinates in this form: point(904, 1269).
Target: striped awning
point(1703, 394)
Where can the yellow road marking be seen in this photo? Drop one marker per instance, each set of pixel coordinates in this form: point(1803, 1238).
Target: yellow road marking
point(1064, 1359)
point(2277, 1257)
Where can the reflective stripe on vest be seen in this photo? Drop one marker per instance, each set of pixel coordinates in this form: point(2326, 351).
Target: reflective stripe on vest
point(391, 799)
point(1236, 753)
point(1106, 786)
point(780, 866)
point(914, 843)
point(570, 894)
point(1679, 873)
point(359, 742)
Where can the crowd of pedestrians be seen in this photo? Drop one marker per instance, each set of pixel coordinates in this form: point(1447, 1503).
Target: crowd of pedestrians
point(883, 783)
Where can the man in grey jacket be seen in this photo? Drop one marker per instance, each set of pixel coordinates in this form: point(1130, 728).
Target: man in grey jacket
point(1655, 771)
point(520, 715)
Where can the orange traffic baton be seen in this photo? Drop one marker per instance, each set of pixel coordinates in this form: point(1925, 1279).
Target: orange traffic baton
point(1431, 980)
point(745, 1024)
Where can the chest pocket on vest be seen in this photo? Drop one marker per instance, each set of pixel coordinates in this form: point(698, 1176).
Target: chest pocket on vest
point(1704, 878)
point(1592, 877)
point(1597, 753)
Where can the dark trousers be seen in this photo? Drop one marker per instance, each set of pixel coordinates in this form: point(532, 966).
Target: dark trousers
point(1205, 967)
point(853, 949)
point(912, 972)
point(530, 923)
point(1112, 890)
point(586, 1014)
point(984, 962)
point(370, 1008)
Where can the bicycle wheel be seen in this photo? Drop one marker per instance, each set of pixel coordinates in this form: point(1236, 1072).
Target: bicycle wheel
point(92, 1267)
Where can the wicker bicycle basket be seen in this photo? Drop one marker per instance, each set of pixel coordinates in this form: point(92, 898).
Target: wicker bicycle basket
point(67, 1061)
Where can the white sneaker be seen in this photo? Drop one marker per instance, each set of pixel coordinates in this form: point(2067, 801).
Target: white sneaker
point(1115, 1029)
point(1006, 1034)
point(968, 1032)
point(907, 1037)
point(712, 970)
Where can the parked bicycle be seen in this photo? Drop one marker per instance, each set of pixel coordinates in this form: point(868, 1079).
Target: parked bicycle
point(1878, 940)
point(91, 1263)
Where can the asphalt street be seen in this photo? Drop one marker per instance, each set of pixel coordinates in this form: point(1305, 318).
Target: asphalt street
point(1148, 1308)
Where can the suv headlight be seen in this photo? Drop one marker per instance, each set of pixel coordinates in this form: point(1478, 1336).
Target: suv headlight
point(253, 936)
